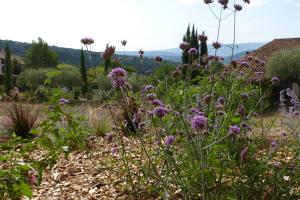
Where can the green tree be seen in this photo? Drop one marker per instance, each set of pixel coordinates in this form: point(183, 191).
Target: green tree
point(186, 38)
point(8, 70)
point(194, 44)
point(83, 72)
point(203, 47)
point(39, 55)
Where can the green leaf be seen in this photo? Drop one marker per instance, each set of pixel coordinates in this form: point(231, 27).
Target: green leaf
point(26, 190)
point(236, 120)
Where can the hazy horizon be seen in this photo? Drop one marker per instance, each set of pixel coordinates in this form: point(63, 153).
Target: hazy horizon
point(146, 24)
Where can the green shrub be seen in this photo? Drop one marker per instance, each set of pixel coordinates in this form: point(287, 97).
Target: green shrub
point(285, 64)
point(63, 76)
point(161, 72)
point(101, 96)
point(67, 76)
point(136, 81)
point(103, 83)
point(32, 78)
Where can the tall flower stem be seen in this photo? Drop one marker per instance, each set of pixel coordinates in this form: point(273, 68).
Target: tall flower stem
point(234, 34)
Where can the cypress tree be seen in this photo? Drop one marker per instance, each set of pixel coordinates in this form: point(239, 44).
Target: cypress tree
point(203, 48)
point(83, 72)
point(186, 38)
point(194, 44)
point(8, 70)
point(185, 54)
point(188, 34)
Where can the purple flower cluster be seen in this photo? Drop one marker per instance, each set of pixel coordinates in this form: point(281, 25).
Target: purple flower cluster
point(216, 45)
point(150, 97)
point(63, 101)
point(141, 53)
point(224, 3)
point(169, 140)
point(208, 1)
point(147, 88)
point(124, 42)
point(202, 37)
point(234, 130)
point(199, 122)
point(156, 102)
point(161, 111)
point(87, 41)
point(117, 76)
point(193, 51)
point(238, 7)
point(184, 45)
point(158, 59)
point(273, 144)
point(275, 80)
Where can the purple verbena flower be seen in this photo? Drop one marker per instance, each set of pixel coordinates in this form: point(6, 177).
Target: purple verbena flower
point(202, 37)
point(116, 73)
point(150, 97)
point(238, 7)
point(184, 45)
point(241, 110)
point(208, 1)
point(63, 101)
point(114, 149)
point(156, 102)
point(87, 41)
point(234, 130)
point(216, 45)
point(148, 88)
point(161, 111)
point(158, 59)
point(119, 82)
point(193, 51)
point(275, 80)
point(207, 98)
point(169, 140)
point(273, 144)
point(199, 122)
point(196, 111)
point(221, 101)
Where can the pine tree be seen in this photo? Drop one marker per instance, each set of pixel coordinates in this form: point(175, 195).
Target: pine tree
point(83, 72)
point(8, 71)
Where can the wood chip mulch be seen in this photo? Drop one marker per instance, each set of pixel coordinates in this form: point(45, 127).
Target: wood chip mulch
point(94, 174)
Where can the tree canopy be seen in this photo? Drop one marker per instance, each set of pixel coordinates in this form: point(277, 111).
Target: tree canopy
point(39, 55)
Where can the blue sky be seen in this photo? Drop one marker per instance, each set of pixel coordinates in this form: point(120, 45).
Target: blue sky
point(146, 24)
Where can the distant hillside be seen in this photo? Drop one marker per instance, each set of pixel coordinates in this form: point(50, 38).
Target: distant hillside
point(72, 56)
point(225, 51)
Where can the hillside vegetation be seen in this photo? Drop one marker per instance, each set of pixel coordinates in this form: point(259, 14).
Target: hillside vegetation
point(71, 56)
